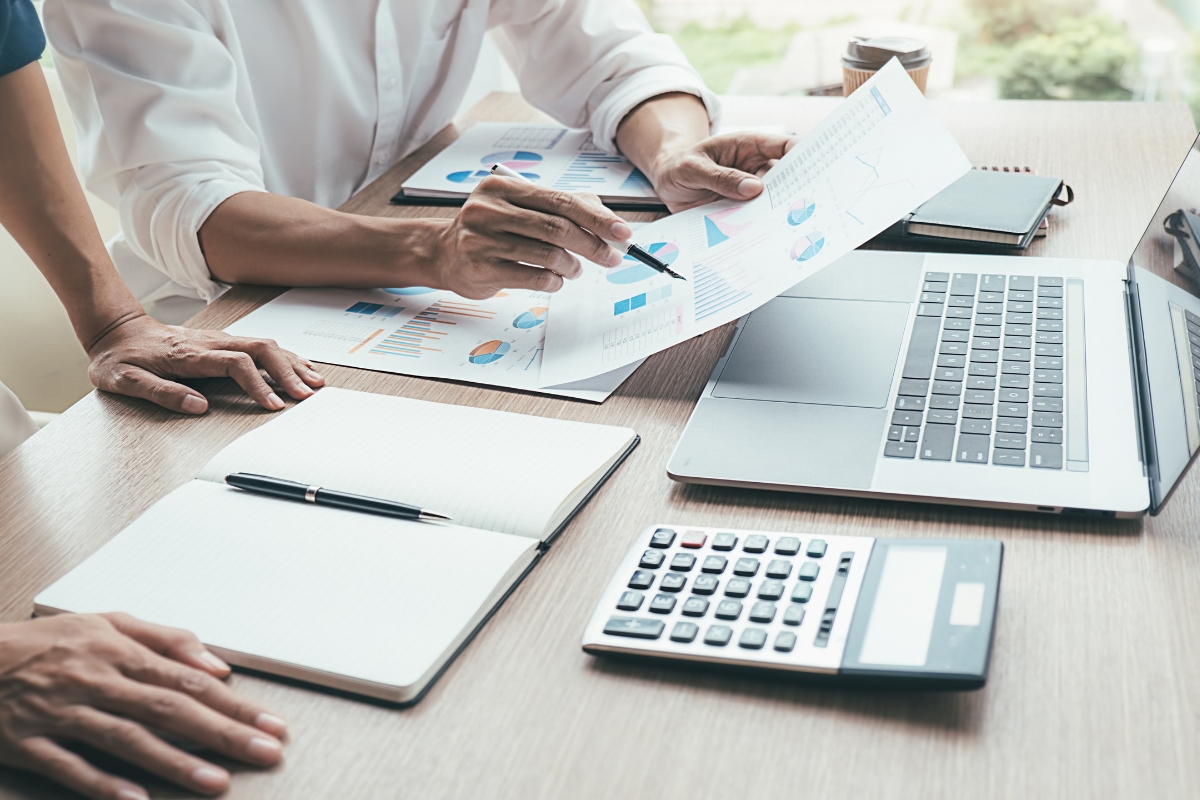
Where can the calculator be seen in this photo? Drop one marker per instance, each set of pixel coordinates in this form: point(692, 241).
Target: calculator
point(917, 612)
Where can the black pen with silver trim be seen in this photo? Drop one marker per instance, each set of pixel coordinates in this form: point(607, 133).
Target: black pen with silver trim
point(631, 249)
point(319, 495)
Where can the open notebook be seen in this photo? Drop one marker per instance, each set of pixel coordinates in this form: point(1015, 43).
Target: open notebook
point(362, 603)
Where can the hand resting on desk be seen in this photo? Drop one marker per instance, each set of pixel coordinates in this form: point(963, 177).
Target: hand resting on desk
point(98, 680)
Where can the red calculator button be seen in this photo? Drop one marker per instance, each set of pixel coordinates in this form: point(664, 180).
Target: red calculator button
point(693, 539)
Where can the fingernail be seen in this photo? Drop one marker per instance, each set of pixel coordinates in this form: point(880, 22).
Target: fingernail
point(131, 794)
point(621, 232)
point(314, 375)
point(614, 257)
point(265, 750)
point(213, 662)
point(270, 723)
point(211, 777)
point(274, 402)
point(749, 186)
point(194, 404)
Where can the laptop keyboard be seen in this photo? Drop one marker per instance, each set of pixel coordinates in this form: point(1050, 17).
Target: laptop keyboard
point(983, 377)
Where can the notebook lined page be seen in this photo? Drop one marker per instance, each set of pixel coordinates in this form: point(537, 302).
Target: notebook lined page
point(371, 598)
point(487, 469)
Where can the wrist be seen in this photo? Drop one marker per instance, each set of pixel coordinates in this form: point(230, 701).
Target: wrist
point(414, 250)
point(101, 331)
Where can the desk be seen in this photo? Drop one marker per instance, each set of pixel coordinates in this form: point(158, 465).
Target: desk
point(1095, 676)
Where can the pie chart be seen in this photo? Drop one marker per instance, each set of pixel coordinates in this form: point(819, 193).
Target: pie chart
point(809, 246)
point(468, 177)
point(410, 290)
point(633, 271)
point(531, 318)
point(513, 159)
point(488, 352)
point(801, 210)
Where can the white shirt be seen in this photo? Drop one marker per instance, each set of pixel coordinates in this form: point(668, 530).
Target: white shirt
point(180, 104)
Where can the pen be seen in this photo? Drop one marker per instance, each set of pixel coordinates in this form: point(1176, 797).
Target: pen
point(630, 249)
point(290, 490)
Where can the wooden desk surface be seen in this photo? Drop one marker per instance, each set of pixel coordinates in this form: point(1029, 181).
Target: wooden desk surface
point(1095, 676)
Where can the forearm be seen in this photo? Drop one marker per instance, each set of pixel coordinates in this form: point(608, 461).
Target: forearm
point(42, 205)
point(660, 128)
point(255, 237)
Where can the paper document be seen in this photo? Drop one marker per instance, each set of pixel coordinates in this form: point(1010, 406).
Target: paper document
point(881, 154)
point(548, 155)
point(423, 332)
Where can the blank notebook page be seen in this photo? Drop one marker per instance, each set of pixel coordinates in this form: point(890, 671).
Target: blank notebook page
point(372, 598)
point(487, 469)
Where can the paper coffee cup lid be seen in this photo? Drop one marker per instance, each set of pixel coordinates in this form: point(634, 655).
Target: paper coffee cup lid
point(872, 54)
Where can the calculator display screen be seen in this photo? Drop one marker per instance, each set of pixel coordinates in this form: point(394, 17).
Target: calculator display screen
point(901, 621)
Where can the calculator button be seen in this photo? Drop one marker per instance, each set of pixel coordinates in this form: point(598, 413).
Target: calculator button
point(672, 582)
point(808, 571)
point(762, 612)
point(784, 641)
point(726, 609)
point(714, 564)
point(683, 562)
point(662, 538)
point(634, 627)
point(794, 614)
point(756, 543)
point(737, 587)
point(704, 584)
point(693, 539)
point(694, 607)
point(745, 566)
point(724, 541)
point(816, 548)
point(771, 590)
point(753, 639)
point(630, 601)
point(717, 635)
point(778, 568)
point(651, 559)
point(662, 603)
point(686, 632)
point(641, 579)
point(787, 546)
point(801, 592)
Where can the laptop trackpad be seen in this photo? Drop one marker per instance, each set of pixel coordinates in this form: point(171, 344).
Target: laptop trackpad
point(807, 350)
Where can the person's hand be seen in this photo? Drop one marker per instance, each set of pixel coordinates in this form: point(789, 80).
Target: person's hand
point(144, 358)
point(728, 166)
point(100, 680)
point(507, 224)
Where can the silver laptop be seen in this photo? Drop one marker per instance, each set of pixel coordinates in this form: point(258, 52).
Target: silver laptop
point(1047, 384)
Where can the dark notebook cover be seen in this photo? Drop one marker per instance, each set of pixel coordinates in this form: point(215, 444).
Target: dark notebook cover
point(1008, 204)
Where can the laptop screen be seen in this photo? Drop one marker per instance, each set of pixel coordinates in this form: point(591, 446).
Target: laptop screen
point(1167, 330)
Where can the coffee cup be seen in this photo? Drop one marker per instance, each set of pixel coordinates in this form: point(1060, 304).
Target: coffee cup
point(864, 57)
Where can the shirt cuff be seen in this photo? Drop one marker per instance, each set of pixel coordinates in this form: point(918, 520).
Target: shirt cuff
point(175, 231)
point(647, 83)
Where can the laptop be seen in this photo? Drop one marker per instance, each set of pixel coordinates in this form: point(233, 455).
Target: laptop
point(1042, 384)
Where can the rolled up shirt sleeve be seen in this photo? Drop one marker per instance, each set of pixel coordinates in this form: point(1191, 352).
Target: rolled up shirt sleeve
point(588, 63)
point(161, 135)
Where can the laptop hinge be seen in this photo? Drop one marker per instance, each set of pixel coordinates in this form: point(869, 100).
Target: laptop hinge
point(1141, 387)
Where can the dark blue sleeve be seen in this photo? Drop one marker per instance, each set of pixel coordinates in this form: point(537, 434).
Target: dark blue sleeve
point(21, 37)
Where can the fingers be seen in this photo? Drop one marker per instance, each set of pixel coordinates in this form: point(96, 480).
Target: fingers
point(704, 173)
point(66, 768)
point(519, 276)
point(285, 368)
point(244, 371)
point(133, 381)
point(175, 643)
point(131, 742)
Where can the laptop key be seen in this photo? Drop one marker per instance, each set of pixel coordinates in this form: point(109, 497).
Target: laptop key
point(1014, 318)
point(912, 434)
point(952, 348)
point(985, 356)
point(983, 369)
point(961, 302)
point(1009, 458)
point(1015, 368)
point(900, 450)
point(985, 382)
point(958, 313)
point(1020, 307)
point(1048, 350)
point(1047, 390)
point(991, 297)
point(1048, 376)
point(990, 282)
point(1054, 435)
point(1045, 456)
point(937, 276)
point(954, 324)
point(932, 297)
point(921, 344)
point(1054, 325)
point(1048, 362)
point(963, 283)
point(987, 331)
point(951, 361)
point(1051, 404)
point(940, 416)
point(1018, 330)
point(1012, 295)
point(1018, 342)
point(1011, 425)
point(1049, 313)
point(973, 448)
point(1020, 283)
point(956, 336)
point(929, 309)
point(1010, 441)
point(947, 387)
point(979, 396)
point(1014, 395)
point(980, 426)
point(943, 401)
point(910, 403)
point(1016, 354)
point(1015, 381)
point(988, 319)
point(986, 344)
point(1013, 410)
point(1046, 291)
point(1050, 281)
point(939, 443)
point(1049, 302)
point(990, 308)
point(976, 412)
point(1044, 420)
point(911, 387)
point(948, 374)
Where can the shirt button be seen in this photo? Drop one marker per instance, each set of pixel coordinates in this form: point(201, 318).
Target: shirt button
point(381, 160)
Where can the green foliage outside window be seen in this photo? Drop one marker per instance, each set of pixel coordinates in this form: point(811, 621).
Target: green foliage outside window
point(1087, 58)
point(718, 53)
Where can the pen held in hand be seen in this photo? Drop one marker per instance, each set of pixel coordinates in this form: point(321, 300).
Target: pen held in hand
point(318, 495)
point(630, 249)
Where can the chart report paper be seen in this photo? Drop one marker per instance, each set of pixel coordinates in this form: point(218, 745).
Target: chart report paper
point(881, 154)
